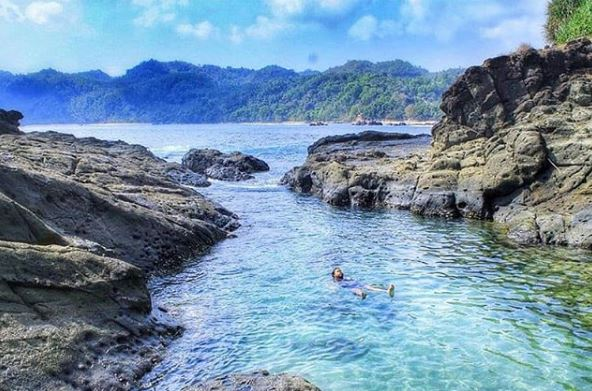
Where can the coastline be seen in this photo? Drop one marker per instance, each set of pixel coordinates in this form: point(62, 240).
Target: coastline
point(83, 228)
point(29, 127)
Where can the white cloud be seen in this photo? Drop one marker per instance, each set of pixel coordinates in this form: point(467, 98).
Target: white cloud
point(514, 31)
point(287, 7)
point(266, 28)
point(202, 30)
point(235, 36)
point(368, 27)
point(364, 28)
point(41, 12)
point(444, 19)
point(38, 12)
point(157, 11)
point(10, 11)
point(311, 10)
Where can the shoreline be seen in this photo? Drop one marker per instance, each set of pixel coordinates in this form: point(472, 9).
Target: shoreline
point(385, 122)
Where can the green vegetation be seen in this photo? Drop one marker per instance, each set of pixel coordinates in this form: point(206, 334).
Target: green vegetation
point(568, 20)
point(180, 92)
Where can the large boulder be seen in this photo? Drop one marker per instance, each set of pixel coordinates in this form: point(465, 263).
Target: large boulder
point(257, 381)
point(235, 166)
point(82, 221)
point(515, 146)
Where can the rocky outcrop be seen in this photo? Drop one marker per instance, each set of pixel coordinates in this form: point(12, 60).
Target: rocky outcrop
point(257, 381)
point(82, 221)
point(515, 146)
point(10, 121)
point(235, 166)
point(356, 169)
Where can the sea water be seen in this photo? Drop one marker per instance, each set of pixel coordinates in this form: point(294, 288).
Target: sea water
point(471, 311)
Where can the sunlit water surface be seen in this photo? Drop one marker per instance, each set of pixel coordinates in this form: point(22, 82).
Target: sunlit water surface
point(471, 311)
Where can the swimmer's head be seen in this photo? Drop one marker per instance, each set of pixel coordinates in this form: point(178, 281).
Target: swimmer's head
point(337, 274)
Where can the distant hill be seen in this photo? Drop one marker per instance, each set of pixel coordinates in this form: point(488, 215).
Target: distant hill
point(168, 92)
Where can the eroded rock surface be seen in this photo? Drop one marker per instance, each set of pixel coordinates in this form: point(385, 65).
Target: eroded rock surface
point(357, 169)
point(515, 145)
point(257, 381)
point(235, 166)
point(82, 220)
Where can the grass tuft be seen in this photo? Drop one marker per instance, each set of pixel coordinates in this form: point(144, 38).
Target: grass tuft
point(568, 20)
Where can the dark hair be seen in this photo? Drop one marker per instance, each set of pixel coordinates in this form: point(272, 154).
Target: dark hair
point(334, 270)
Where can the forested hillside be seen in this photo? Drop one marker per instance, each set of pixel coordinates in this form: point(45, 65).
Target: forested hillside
point(170, 92)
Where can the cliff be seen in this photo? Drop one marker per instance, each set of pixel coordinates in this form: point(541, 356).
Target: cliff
point(514, 145)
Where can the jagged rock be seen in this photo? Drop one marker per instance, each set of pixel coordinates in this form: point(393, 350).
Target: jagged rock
point(354, 169)
point(515, 145)
point(112, 193)
point(62, 309)
point(81, 220)
point(10, 121)
point(235, 166)
point(257, 381)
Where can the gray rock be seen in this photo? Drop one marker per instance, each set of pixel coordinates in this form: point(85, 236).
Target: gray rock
point(112, 193)
point(514, 146)
point(256, 381)
point(186, 177)
point(10, 121)
point(82, 221)
point(234, 166)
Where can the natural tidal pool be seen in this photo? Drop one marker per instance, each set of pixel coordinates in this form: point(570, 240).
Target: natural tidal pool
point(471, 310)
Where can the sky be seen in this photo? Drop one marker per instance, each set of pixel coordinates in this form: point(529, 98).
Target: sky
point(115, 35)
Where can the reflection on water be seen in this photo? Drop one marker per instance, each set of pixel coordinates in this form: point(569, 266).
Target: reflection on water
point(471, 310)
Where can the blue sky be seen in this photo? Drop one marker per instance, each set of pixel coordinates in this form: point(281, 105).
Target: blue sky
point(114, 35)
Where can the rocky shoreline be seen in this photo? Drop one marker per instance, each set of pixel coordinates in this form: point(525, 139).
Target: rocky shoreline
point(514, 146)
point(84, 222)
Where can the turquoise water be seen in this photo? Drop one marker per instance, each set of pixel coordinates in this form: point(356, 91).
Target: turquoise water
point(471, 310)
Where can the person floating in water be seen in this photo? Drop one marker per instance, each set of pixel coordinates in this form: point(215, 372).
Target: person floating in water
point(357, 288)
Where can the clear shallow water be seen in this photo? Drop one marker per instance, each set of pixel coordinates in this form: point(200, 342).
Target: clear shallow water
point(471, 310)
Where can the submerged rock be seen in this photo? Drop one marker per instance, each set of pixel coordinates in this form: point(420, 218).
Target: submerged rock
point(82, 221)
point(235, 166)
point(515, 146)
point(257, 381)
